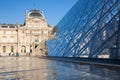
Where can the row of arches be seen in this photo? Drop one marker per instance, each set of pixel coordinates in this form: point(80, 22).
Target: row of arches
point(23, 49)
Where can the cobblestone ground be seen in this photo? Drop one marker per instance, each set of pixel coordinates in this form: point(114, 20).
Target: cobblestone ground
point(31, 68)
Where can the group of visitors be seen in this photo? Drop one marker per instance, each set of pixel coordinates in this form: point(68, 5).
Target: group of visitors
point(14, 54)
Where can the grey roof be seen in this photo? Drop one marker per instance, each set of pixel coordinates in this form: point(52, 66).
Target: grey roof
point(35, 13)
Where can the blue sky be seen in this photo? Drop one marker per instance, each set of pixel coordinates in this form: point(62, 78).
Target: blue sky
point(13, 11)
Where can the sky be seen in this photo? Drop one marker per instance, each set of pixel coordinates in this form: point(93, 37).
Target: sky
point(13, 11)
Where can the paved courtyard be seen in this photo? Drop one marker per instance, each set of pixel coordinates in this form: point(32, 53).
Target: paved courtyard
point(31, 68)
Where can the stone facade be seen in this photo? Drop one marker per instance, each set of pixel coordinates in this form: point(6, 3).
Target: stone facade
point(28, 38)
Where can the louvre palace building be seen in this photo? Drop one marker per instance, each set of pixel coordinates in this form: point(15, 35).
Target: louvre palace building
point(28, 38)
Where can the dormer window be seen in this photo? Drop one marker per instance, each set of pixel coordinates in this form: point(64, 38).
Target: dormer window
point(4, 26)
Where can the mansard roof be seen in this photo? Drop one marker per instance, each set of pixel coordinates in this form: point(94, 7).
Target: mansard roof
point(10, 25)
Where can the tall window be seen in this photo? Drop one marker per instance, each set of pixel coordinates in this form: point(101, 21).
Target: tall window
point(11, 38)
point(4, 32)
point(41, 32)
point(4, 39)
point(23, 50)
point(35, 25)
point(30, 39)
point(22, 31)
point(12, 48)
point(36, 39)
point(4, 48)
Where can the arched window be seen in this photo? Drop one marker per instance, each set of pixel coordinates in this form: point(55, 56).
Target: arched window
point(23, 49)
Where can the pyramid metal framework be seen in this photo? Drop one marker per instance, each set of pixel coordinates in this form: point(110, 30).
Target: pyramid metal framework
point(90, 29)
